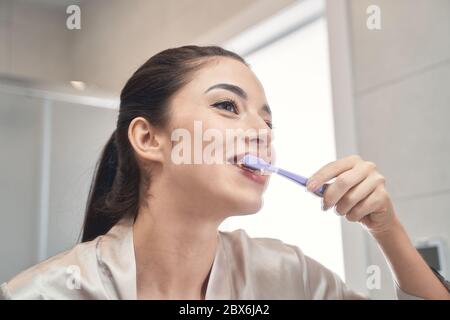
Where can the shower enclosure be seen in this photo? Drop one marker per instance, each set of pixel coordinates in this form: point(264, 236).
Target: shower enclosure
point(50, 139)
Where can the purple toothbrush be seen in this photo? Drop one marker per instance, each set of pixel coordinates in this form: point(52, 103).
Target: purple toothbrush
point(257, 164)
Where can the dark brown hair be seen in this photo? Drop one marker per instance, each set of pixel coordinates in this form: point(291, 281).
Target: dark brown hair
point(115, 189)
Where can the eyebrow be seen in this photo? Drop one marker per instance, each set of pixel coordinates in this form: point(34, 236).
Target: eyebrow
point(238, 91)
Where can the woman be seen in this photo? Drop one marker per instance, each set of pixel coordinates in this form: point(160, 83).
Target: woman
point(151, 225)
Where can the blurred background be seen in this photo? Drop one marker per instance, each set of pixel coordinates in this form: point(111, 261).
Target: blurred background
point(342, 77)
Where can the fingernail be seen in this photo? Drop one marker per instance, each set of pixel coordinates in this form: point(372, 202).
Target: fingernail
point(326, 206)
point(311, 185)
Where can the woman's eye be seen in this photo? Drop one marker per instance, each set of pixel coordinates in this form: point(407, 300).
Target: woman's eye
point(226, 105)
point(269, 124)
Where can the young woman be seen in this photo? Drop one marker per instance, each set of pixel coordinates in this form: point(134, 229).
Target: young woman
point(151, 225)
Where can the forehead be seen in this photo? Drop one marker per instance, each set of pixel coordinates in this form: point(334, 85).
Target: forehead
point(227, 70)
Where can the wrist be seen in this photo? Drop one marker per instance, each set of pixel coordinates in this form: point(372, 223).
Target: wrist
point(389, 230)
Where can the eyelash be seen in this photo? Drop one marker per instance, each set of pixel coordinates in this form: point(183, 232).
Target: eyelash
point(234, 104)
point(230, 101)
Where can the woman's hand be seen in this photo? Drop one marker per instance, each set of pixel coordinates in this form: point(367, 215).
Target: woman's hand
point(358, 192)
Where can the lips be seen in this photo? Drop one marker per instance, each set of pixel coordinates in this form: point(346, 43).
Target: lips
point(253, 176)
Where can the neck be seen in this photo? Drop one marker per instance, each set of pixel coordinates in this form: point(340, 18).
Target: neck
point(175, 248)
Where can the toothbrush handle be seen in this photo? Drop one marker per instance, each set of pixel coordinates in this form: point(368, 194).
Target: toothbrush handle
point(321, 190)
point(301, 180)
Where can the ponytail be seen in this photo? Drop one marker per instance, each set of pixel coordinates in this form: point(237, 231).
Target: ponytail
point(96, 220)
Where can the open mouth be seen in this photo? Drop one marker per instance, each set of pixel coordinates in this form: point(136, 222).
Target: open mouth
point(236, 160)
point(244, 167)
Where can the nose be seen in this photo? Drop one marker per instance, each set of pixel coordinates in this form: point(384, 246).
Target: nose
point(262, 134)
point(260, 143)
point(257, 139)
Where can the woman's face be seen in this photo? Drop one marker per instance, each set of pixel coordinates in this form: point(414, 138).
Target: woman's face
point(224, 99)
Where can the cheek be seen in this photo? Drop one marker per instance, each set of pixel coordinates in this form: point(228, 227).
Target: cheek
point(218, 186)
point(210, 179)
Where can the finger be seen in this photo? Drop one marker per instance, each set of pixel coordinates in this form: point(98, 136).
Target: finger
point(344, 182)
point(331, 170)
point(358, 193)
point(370, 204)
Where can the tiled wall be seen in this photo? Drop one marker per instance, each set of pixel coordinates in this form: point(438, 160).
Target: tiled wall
point(402, 102)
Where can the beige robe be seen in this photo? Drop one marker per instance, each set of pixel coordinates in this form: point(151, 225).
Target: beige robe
point(243, 268)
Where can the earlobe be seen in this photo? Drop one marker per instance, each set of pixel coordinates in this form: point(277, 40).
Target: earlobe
point(145, 140)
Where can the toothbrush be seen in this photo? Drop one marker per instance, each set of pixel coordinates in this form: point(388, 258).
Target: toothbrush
point(257, 164)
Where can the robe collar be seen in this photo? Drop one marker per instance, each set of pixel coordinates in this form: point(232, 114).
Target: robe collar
point(117, 265)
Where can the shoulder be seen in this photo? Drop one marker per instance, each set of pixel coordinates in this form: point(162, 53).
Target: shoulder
point(263, 252)
point(274, 266)
point(58, 277)
point(270, 268)
point(239, 240)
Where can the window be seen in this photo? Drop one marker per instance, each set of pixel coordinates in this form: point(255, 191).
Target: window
point(294, 71)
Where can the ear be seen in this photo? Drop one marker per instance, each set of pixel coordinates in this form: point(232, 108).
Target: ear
point(146, 141)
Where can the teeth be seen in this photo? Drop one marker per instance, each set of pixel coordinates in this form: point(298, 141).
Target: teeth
point(242, 166)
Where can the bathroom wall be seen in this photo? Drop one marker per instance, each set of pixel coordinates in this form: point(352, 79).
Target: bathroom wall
point(20, 136)
point(401, 76)
point(72, 164)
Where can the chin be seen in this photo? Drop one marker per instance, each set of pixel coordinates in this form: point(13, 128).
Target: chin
point(248, 205)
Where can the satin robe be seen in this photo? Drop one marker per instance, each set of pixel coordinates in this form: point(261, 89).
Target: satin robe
point(243, 268)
